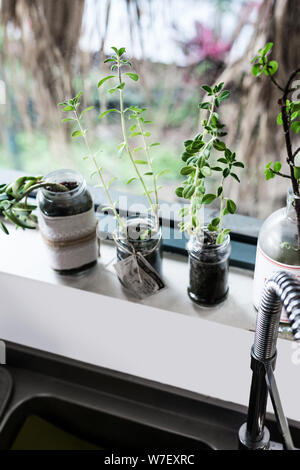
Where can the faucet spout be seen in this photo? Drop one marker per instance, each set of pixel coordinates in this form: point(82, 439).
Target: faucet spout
point(282, 289)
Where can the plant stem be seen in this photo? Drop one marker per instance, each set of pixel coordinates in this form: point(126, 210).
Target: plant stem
point(40, 184)
point(99, 172)
point(221, 207)
point(202, 151)
point(280, 174)
point(124, 131)
point(291, 155)
point(147, 152)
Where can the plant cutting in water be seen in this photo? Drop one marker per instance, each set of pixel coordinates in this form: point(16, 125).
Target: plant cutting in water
point(200, 165)
point(14, 200)
point(137, 129)
point(288, 118)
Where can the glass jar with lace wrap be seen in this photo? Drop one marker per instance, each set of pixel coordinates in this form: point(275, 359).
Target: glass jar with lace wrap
point(67, 223)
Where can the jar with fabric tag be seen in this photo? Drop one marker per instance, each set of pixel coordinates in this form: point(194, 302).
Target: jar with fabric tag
point(139, 255)
point(67, 223)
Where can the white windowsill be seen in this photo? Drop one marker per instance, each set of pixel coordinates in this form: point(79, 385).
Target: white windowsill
point(165, 338)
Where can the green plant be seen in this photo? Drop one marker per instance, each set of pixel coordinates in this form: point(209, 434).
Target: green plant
point(72, 105)
point(12, 196)
point(199, 166)
point(288, 118)
point(137, 129)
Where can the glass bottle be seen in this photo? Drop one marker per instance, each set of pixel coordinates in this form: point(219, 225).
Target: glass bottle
point(68, 224)
point(149, 246)
point(277, 248)
point(208, 270)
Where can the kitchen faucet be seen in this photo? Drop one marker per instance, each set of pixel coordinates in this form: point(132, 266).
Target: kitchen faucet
point(282, 289)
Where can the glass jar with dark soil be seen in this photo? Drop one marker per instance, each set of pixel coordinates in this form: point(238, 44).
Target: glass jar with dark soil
point(57, 206)
point(208, 269)
point(142, 237)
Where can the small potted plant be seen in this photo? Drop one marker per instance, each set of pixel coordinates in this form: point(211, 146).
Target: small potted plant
point(209, 244)
point(279, 237)
point(14, 205)
point(65, 216)
point(141, 235)
point(138, 239)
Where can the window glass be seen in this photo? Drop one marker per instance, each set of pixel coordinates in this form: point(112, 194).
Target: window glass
point(51, 50)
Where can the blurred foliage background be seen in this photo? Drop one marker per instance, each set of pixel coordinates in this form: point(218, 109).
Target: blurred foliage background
point(51, 49)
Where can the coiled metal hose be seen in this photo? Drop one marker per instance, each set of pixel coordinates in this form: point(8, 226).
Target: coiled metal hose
point(282, 289)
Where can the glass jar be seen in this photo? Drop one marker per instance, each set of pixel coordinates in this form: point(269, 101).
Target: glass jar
point(208, 270)
point(149, 244)
point(278, 247)
point(67, 223)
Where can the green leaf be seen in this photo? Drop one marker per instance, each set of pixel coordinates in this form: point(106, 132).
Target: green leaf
point(75, 100)
point(130, 180)
point(204, 105)
point(133, 76)
point(111, 110)
point(134, 134)
point(162, 172)
point(230, 206)
point(113, 90)
point(86, 110)
point(140, 162)
point(269, 174)
point(110, 182)
point(224, 95)
point(69, 108)
point(3, 228)
point(297, 172)
point(208, 198)
point(104, 80)
point(155, 144)
point(297, 160)
point(220, 238)
point(215, 222)
point(267, 48)
point(77, 134)
point(184, 212)
point(296, 127)
point(239, 164)
point(277, 167)
point(179, 191)
point(206, 171)
point(272, 67)
point(256, 70)
point(235, 177)
point(187, 170)
point(219, 145)
point(188, 191)
point(68, 119)
point(207, 88)
point(121, 51)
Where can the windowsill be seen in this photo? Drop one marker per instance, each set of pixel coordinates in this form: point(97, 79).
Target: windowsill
point(165, 338)
point(23, 253)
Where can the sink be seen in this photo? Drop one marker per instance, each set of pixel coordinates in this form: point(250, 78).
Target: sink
point(79, 406)
point(86, 428)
